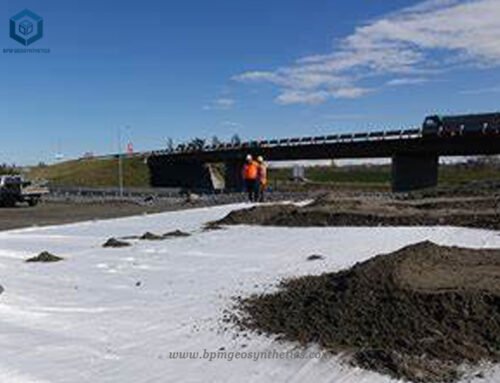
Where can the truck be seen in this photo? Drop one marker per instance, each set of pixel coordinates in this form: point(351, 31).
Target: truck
point(467, 124)
point(15, 189)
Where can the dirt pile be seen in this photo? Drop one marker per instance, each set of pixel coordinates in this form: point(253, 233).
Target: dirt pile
point(419, 313)
point(261, 215)
point(45, 256)
point(315, 257)
point(473, 188)
point(157, 237)
point(212, 226)
point(148, 236)
point(176, 234)
point(113, 242)
point(332, 210)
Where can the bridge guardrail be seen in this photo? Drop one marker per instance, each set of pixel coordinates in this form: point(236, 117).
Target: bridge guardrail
point(396, 134)
point(295, 141)
point(62, 191)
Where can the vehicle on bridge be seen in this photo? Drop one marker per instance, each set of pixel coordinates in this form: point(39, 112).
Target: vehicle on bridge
point(14, 189)
point(467, 124)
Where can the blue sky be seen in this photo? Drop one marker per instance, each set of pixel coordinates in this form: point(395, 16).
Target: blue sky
point(258, 68)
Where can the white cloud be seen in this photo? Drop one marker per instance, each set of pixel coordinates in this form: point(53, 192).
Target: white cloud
point(425, 39)
point(349, 92)
point(288, 97)
point(231, 124)
point(292, 96)
point(343, 117)
point(495, 89)
point(406, 81)
point(220, 104)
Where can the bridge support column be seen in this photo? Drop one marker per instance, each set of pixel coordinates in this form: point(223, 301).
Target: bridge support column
point(232, 175)
point(414, 171)
point(192, 175)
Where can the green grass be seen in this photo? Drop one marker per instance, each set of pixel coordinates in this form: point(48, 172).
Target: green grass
point(104, 173)
point(380, 175)
point(94, 173)
point(457, 174)
point(377, 175)
point(331, 174)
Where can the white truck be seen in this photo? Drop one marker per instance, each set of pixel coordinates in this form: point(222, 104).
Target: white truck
point(14, 189)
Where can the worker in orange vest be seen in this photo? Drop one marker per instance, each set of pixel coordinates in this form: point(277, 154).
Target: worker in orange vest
point(261, 177)
point(250, 174)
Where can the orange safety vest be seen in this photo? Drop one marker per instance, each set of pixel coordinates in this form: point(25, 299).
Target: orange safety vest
point(262, 174)
point(250, 170)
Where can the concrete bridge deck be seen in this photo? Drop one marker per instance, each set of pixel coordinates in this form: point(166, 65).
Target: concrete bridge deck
point(414, 155)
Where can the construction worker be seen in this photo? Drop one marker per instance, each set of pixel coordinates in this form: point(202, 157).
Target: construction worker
point(250, 174)
point(261, 177)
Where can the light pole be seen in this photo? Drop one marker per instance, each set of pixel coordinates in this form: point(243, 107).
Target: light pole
point(120, 160)
point(120, 164)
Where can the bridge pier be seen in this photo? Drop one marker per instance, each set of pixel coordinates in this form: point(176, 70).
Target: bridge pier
point(414, 171)
point(192, 175)
point(232, 175)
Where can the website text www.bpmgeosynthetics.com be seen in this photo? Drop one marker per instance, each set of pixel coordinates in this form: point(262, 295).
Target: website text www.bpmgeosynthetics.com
point(249, 355)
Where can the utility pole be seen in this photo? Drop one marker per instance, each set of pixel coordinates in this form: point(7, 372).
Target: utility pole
point(120, 164)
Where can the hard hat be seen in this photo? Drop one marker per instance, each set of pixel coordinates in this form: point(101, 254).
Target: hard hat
point(260, 159)
point(249, 157)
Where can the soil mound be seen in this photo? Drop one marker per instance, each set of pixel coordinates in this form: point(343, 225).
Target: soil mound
point(419, 313)
point(45, 256)
point(260, 215)
point(155, 237)
point(113, 242)
point(473, 188)
point(315, 257)
point(212, 226)
point(176, 234)
point(332, 210)
point(148, 236)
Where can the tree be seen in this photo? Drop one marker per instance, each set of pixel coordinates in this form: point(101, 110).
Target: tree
point(215, 141)
point(197, 143)
point(235, 139)
point(8, 169)
point(170, 144)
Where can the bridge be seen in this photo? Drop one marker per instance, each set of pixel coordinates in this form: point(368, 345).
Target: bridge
point(414, 153)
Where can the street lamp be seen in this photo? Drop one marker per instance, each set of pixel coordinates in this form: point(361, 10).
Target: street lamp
point(120, 160)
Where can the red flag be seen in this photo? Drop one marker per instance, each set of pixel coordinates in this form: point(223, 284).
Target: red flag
point(130, 149)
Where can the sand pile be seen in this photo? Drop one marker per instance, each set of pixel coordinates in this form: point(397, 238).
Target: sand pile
point(420, 313)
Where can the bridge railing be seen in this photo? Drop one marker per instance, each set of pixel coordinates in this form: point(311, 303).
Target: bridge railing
point(398, 134)
point(283, 142)
point(300, 141)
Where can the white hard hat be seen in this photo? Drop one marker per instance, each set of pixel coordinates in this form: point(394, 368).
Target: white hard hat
point(249, 157)
point(260, 159)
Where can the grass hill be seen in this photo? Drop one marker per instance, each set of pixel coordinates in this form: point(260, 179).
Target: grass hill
point(104, 173)
point(93, 173)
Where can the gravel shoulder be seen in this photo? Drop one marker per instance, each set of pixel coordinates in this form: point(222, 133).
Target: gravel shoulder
point(49, 213)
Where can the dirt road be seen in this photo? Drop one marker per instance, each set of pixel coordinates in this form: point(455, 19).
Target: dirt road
point(61, 213)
